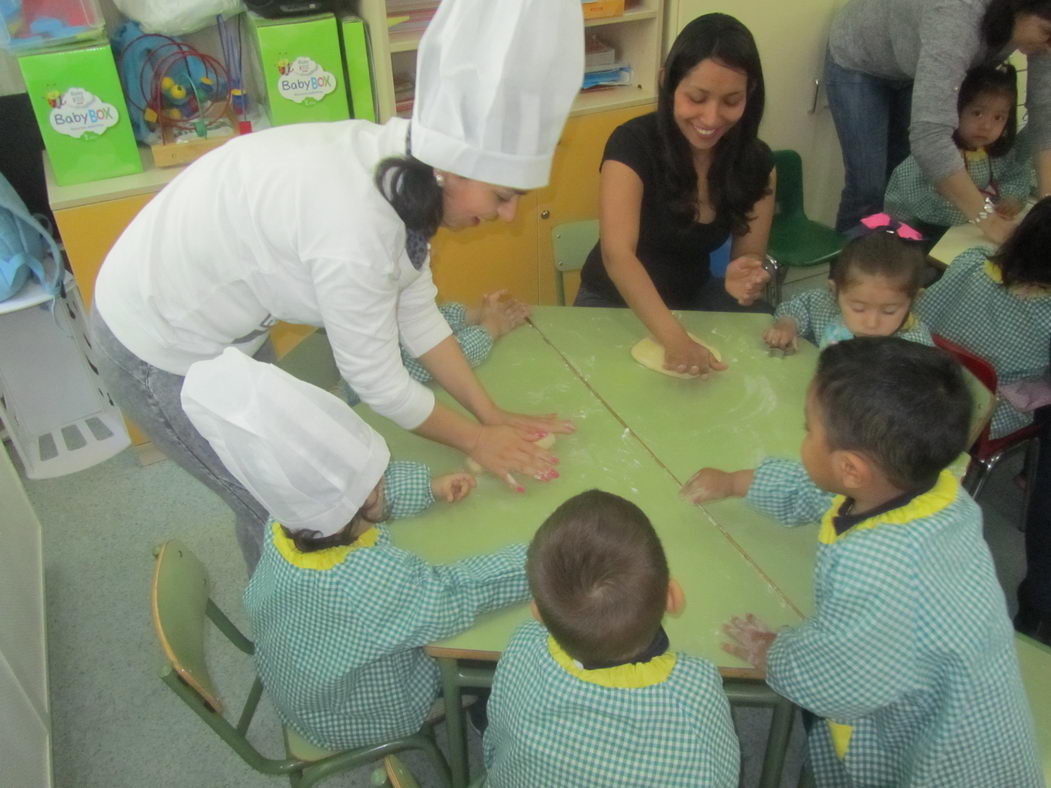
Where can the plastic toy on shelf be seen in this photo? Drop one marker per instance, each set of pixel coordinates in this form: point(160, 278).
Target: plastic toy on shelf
point(39, 24)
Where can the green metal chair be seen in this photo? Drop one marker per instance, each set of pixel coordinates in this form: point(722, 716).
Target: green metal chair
point(795, 240)
point(572, 241)
point(181, 608)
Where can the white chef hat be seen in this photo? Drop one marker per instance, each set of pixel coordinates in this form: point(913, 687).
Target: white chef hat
point(302, 452)
point(494, 82)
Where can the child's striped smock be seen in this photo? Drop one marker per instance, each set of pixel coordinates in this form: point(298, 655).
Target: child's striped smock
point(909, 655)
point(474, 341)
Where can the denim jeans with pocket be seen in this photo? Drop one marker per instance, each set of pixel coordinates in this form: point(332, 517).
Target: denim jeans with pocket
point(151, 398)
point(872, 121)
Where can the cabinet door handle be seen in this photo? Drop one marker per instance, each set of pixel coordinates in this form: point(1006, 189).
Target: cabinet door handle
point(545, 214)
point(817, 91)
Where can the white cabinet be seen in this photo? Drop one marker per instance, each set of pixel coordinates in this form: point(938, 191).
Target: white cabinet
point(25, 745)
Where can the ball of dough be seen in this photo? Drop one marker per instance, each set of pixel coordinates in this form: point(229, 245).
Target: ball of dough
point(650, 353)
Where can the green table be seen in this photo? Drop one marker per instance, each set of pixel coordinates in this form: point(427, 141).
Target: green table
point(642, 435)
point(527, 373)
point(730, 421)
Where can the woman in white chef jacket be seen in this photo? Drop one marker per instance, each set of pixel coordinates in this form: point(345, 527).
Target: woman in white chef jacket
point(327, 225)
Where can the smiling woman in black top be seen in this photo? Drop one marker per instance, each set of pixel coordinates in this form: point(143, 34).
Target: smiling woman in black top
point(677, 183)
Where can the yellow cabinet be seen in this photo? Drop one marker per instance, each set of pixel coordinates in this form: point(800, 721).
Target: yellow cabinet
point(518, 255)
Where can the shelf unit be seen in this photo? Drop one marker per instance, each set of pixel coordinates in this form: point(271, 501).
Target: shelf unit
point(636, 36)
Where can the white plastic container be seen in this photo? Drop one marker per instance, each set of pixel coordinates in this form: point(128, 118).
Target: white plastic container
point(57, 413)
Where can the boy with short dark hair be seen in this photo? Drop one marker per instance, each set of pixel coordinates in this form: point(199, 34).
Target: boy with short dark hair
point(590, 694)
point(909, 655)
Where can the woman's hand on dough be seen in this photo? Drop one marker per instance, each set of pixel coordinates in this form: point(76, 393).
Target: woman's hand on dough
point(745, 279)
point(504, 450)
point(782, 335)
point(532, 425)
point(689, 358)
point(452, 487)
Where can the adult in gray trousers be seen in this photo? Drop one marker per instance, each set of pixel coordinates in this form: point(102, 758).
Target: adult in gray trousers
point(893, 72)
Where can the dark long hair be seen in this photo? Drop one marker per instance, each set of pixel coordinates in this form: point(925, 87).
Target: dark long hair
point(409, 186)
point(999, 19)
point(740, 168)
point(1022, 259)
point(999, 80)
point(312, 541)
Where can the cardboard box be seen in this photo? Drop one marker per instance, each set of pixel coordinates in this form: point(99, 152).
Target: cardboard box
point(597, 9)
point(79, 106)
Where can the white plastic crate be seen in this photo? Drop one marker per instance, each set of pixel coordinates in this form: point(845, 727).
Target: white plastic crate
point(52, 401)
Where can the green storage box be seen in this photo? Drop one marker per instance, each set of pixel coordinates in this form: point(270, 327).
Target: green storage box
point(79, 105)
point(356, 65)
point(302, 68)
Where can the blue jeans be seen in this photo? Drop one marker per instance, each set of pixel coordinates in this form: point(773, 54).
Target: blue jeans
point(872, 121)
point(151, 397)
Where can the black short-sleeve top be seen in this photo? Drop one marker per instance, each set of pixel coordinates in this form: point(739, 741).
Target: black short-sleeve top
point(674, 254)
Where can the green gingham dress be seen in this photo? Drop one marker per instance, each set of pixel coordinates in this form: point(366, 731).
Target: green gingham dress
point(909, 656)
point(818, 319)
point(549, 727)
point(474, 341)
point(339, 632)
point(911, 196)
point(1007, 328)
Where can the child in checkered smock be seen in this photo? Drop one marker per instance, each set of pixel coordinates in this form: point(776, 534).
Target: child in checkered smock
point(870, 292)
point(999, 307)
point(908, 657)
point(476, 330)
point(985, 135)
point(591, 694)
point(338, 613)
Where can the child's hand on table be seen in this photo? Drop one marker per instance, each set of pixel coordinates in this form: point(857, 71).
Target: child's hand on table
point(782, 335)
point(711, 484)
point(750, 640)
point(452, 487)
point(499, 313)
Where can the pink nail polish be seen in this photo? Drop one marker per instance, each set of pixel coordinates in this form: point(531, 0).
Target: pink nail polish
point(521, 489)
point(553, 475)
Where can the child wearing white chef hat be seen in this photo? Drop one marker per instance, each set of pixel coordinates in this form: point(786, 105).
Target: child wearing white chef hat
point(339, 614)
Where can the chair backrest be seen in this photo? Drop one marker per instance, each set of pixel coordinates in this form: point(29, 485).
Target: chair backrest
point(180, 604)
point(788, 196)
point(981, 380)
point(572, 242)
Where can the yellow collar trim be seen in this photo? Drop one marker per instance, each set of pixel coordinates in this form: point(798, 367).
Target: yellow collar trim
point(1021, 291)
point(320, 560)
point(909, 324)
point(975, 155)
point(630, 676)
point(931, 502)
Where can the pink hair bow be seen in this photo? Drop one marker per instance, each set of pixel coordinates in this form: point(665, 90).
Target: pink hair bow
point(884, 221)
